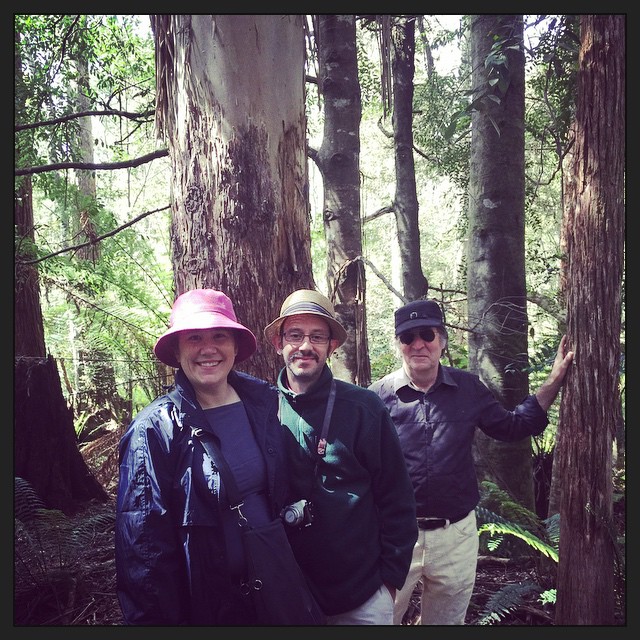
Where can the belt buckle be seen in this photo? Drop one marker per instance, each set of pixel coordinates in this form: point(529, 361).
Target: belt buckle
point(425, 520)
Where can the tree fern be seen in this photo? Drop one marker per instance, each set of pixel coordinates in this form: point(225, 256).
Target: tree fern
point(49, 553)
point(506, 601)
point(516, 530)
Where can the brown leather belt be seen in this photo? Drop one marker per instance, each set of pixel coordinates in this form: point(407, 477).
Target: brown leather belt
point(428, 524)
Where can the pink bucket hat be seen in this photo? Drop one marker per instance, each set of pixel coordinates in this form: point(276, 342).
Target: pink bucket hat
point(202, 309)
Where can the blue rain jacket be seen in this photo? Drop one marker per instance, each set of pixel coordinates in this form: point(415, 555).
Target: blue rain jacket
point(169, 541)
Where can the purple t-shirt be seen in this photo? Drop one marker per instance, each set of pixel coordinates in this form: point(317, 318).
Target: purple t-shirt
point(241, 451)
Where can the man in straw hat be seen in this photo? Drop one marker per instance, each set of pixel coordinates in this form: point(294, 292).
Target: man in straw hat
point(179, 555)
point(355, 533)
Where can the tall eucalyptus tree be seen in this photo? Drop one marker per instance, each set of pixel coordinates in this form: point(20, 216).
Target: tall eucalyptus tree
point(230, 104)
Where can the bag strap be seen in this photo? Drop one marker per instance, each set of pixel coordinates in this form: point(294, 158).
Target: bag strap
point(322, 441)
point(215, 453)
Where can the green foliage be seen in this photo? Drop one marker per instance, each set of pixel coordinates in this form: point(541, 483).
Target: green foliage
point(541, 538)
point(457, 354)
point(80, 423)
point(48, 556)
point(499, 515)
point(437, 101)
point(368, 73)
point(110, 295)
point(535, 539)
point(493, 524)
point(506, 601)
point(552, 82)
point(383, 365)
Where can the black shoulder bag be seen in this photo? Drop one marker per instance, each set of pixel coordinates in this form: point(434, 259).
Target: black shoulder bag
point(274, 581)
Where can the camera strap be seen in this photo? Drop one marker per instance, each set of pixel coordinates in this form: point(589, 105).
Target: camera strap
point(322, 442)
point(321, 445)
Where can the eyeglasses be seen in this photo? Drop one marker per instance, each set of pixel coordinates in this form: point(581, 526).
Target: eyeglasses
point(407, 337)
point(296, 337)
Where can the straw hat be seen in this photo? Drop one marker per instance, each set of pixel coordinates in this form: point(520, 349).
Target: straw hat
point(307, 301)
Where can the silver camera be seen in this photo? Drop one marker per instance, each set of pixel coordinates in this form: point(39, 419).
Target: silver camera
point(298, 514)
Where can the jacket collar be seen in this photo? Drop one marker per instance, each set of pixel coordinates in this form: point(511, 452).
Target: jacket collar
point(183, 396)
point(401, 379)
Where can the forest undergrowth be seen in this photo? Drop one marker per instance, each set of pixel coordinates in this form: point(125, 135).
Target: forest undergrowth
point(86, 596)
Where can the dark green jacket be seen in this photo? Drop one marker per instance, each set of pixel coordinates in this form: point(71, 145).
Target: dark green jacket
point(364, 527)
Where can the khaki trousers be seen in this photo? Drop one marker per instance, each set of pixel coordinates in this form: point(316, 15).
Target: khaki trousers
point(445, 559)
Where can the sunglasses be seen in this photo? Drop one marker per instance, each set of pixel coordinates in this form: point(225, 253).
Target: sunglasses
point(407, 337)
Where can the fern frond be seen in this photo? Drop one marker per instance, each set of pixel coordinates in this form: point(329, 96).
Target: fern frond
point(495, 524)
point(510, 528)
point(92, 527)
point(552, 526)
point(26, 502)
point(505, 601)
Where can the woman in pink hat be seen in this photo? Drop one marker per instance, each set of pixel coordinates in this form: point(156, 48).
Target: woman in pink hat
point(179, 557)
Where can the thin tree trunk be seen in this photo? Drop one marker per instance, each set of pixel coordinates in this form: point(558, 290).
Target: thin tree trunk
point(495, 250)
point(338, 160)
point(405, 206)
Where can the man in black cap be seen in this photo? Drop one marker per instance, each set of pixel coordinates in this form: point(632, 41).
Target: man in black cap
point(436, 410)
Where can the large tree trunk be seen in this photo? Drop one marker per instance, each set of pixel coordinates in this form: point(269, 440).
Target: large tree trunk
point(595, 227)
point(338, 160)
point(405, 204)
point(45, 448)
point(231, 107)
point(495, 251)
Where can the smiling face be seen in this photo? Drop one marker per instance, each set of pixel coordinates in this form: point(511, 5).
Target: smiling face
point(305, 355)
point(206, 357)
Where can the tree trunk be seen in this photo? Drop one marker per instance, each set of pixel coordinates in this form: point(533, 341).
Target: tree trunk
point(495, 251)
point(231, 107)
point(84, 229)
point(95, 373)
point(45, 448)
point(595, 228)
point(338, 161)
point(28, 325)
point(405, 206)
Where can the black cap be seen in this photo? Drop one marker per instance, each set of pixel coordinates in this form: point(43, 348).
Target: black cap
point(419, 313)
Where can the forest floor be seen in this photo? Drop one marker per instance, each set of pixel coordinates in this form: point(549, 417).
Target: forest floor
point(82, 592)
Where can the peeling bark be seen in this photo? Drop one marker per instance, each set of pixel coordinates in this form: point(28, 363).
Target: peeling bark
point(231, 101)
